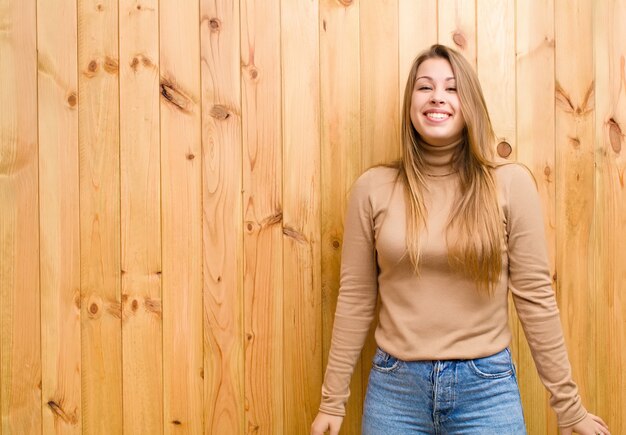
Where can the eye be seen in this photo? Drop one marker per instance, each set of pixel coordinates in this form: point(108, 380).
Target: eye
point(451, 89)
point(424, 88)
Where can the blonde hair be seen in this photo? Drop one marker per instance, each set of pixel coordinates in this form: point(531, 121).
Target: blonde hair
point(476, 218)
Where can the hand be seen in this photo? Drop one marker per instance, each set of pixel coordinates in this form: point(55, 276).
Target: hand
point(325, 422)
point(590, 425)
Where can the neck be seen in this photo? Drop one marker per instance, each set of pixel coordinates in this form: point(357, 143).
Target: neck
point(439, 160)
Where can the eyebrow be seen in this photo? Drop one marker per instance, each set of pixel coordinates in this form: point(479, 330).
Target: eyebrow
point(430, 78)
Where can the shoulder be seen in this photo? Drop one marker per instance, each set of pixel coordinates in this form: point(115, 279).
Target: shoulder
point(514, 177)
point(376, 178)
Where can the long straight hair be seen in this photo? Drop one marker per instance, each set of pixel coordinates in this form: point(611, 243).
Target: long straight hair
point(476, 220)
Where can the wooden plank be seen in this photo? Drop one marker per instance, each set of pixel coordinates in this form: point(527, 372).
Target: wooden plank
point(181, 214)
point(417, 31)
point(301, 213)
point(59, 217)
point(575, 188)
point(98, 127)
point(20, 345)
point(340, 163)
point(222, 218)
point(140, 217)
point(263, 215)
point(495, 37)
point(610, 213)
point(457, 26)
point(536, 149)
point(380, 127)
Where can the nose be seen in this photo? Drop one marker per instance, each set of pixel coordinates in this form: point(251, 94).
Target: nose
point(437, 97)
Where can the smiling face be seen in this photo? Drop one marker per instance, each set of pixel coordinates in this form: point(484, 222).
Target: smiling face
point(435, 105)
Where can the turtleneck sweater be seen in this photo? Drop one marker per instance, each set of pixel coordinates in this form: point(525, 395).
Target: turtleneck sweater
point(441, 314)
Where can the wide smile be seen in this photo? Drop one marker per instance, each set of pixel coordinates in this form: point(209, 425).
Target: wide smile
point(437, 116)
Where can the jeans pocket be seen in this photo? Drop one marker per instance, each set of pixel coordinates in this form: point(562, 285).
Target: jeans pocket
point(385, 363)
point(499, 365)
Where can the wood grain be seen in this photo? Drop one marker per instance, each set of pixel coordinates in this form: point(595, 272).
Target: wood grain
point(98, 127)
point(301, 213)
point(59, 217)
point(340, 163)
point(457, 26)
point(20, 344)
point(575, 111)
point(610, 213)
point(222, 218)
point(263, 216)
point(536, 149)
point(181, 213)
point(140, 217)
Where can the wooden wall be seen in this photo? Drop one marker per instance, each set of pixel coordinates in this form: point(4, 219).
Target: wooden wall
point(173, 179)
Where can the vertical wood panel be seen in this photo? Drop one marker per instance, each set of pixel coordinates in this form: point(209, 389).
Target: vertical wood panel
point(100, 216)
point(380, 126)
point(20, 345)
point(181, 187)
point(457, 26)
point(495, 35)
point(263, 215)
point(610, 213)
point(59, 217)
point(575, 187)
point(222, 218)
point(340, 162)
point(140, 217)
point(301, 214)
point(536, 149)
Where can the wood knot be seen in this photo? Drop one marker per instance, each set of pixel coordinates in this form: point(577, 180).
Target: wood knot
point(459, 39)
point(504, 149)
point(615, 136)
point(190, 156)
point(110, 65)
point(574, 141)
point(176, 422)
point(335, 244)
point(134, 305)
point(72, 99)
point(134, 64)
point(219, 279)
point(215, 24)
point(219, 112)
point(99, 7)
point(93, 308)
point(253, 72)
point(138, 7)
point(175, 96)
point(92, 67)
point(250, 226)
point(249, 336)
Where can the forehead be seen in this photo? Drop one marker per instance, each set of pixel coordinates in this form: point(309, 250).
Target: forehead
point(436, 68)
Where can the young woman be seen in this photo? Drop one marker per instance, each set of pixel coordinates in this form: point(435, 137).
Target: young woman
point(442, 236)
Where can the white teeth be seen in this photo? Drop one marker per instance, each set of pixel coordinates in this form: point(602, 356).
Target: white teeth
point(437, 116)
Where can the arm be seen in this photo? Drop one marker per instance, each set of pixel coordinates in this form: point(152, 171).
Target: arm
point(357, 298)
point(531, 286)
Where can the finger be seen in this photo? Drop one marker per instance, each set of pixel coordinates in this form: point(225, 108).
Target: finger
point(600, 421)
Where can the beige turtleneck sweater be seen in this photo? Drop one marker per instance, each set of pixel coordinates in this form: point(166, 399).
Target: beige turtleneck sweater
point(441, 315)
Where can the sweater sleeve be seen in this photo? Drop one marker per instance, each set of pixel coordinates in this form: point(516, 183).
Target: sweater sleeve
point(356, 303)
point(534, 299)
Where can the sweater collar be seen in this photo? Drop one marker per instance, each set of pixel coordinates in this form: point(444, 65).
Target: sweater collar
point(439, 160)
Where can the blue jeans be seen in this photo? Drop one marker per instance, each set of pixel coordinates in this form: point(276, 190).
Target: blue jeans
point(478, 396)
